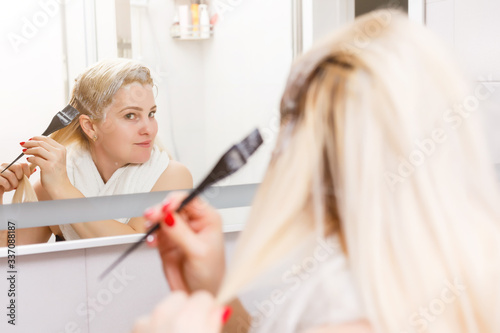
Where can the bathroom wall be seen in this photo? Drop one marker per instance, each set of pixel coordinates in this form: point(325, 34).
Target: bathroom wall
point(471, 29)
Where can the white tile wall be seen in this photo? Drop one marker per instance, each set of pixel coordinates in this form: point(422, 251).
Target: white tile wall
point(440, 17)
point(246, 66)
point(472, 30)
point(51, 287)
point(477, 32)
point(131, 290)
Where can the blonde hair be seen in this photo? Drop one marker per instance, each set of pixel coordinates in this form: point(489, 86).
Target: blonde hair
point(372, 148)
point(94, 90)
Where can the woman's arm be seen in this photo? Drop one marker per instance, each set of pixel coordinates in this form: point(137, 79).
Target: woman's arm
point(175, 177)
point(92, 229)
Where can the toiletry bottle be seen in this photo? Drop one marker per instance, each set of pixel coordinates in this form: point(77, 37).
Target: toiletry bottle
point(195, 15)
point(204, 21)
point(175, 29)
point(184, 21)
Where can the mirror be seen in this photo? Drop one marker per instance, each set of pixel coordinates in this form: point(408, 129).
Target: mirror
point(210, 93)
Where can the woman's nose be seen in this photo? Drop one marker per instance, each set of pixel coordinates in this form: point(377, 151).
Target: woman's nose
point(146, 126)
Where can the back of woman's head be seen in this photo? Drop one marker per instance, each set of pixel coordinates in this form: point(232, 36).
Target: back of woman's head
point(94, 89)
point(380, 145)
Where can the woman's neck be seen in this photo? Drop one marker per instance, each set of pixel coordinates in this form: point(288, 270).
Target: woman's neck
point(104, 164)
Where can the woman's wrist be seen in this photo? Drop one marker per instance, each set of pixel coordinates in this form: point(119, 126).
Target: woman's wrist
point(62, 190)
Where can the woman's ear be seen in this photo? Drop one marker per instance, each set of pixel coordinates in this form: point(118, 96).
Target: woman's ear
point(87, 125)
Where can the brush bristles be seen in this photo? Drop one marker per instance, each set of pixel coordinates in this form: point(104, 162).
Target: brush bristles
point(250, 144)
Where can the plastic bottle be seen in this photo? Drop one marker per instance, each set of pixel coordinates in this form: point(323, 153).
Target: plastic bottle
point(204, 21)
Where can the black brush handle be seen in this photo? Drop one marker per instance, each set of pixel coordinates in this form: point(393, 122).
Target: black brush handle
point(184, 202)
point(129, 250)
point(13, 162)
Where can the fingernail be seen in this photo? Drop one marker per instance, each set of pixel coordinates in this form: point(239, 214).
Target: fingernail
point(148, 213)
point(150, 239)
point(22, 143)
point(24, 150)
point(164, 209)
point(33, 170)
point(227, 314)
point(30, 139)
point(169, 219)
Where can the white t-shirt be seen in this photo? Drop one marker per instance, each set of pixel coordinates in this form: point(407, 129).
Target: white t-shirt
point(321, 291)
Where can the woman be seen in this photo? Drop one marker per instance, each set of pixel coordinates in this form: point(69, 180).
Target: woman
point(375, 157)
point(111, 148)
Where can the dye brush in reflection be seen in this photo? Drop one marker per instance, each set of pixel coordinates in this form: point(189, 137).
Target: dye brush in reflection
point(62, 119)
point(228, 164)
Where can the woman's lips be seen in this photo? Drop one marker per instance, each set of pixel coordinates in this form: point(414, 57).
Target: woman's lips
point(145, 144)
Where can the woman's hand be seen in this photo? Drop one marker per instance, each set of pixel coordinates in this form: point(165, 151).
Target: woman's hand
point(10, 178)
point(51, 157)
point(190, 243)
point(180, 313)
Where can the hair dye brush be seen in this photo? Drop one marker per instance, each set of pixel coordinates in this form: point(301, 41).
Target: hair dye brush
point(62, 119)
point(228, 164)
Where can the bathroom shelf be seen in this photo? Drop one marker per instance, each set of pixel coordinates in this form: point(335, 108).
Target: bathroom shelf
point(192, 32)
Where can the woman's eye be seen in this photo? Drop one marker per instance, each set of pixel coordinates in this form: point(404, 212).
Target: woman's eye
point(130, 116)
point(152, 114)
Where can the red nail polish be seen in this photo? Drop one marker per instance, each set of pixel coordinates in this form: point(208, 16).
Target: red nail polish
point(169, 219)
point(32, 172)
point(24, 150)
point(227, 314)
point(22, 143)
point(164, 209)
point(30, 139)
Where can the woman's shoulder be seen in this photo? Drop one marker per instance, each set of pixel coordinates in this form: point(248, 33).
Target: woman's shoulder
point(175, 177)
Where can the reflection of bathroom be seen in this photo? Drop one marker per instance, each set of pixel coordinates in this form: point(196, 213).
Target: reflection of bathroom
point(199, 84)
point(212, 87)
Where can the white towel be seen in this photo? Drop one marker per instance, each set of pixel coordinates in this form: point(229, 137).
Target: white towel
point(132, 178)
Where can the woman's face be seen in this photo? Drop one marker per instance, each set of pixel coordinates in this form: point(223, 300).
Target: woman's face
point(127, 132)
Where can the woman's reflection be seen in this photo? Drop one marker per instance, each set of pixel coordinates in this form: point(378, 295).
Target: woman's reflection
point(109, 149)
